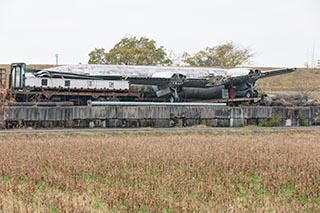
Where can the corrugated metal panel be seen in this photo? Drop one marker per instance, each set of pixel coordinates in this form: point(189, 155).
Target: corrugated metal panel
point(159, 115)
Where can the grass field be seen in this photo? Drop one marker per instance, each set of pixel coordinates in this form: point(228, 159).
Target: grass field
point(161, 171)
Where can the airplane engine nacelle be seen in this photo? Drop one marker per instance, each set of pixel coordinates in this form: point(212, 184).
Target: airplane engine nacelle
point(176, 79)
point(242, 72)
point(254, 72)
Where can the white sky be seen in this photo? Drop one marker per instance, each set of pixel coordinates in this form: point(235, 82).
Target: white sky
point(280, 32)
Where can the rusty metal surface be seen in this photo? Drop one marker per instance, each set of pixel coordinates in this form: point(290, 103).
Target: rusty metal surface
point(80, 93)
point(39, 104)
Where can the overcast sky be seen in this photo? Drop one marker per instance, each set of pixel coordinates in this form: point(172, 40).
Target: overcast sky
point(280, 32)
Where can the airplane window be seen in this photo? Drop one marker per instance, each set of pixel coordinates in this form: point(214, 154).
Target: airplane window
point(13, 73)
point(17, 76)
point(67, 83)
point(44, 82)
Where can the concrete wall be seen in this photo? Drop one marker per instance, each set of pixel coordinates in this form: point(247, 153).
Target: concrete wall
point(157, 116)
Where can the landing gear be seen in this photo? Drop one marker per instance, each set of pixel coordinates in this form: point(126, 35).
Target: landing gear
point(252, 90)
point(174, 97)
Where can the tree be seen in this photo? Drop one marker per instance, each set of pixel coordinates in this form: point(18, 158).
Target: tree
point(227, 56)
point(133, 51)
point(97, 56)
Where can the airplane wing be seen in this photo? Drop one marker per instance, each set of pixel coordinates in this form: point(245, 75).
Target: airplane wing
point(276, 72)
point(54, 74)
point(253, 76)
point(210, 81)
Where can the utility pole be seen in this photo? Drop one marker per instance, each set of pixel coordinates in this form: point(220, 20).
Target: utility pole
point(312, 56)
point(57, 57)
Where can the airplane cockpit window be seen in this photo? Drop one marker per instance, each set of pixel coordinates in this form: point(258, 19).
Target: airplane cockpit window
point(17, 76)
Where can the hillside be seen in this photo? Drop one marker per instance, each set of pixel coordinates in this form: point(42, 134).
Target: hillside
point(306, 81)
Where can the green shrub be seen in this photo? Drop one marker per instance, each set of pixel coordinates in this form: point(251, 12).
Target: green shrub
point(303, 121)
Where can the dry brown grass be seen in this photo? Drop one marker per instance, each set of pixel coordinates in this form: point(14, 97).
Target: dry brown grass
point(303, 81)
point(195, 171)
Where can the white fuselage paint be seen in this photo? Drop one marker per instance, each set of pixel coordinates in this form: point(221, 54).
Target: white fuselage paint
point(32, 81)
point(146, 71)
